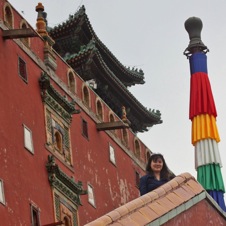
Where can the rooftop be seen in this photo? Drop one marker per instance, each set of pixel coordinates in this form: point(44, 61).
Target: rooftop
point(159, 206)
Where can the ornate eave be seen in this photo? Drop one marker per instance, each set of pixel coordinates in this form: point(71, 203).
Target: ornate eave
point(63, 183)
point(55, 100)
point(140, 117)
point(77, 31)
point(91, 66)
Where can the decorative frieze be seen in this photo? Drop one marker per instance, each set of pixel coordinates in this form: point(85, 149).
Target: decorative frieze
point(55, 100)
point(63, 183)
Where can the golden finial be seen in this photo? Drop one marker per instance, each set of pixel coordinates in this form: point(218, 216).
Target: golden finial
point(40, 24)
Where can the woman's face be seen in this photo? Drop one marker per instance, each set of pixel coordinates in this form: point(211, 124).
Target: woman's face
point(156, 165)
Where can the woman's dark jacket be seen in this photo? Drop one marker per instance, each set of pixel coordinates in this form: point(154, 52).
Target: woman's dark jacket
point(149, 183)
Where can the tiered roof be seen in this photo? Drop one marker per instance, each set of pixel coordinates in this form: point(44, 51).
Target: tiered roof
point(76, 41)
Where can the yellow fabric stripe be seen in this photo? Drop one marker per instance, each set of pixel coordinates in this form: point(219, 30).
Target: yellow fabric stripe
point(203, 127)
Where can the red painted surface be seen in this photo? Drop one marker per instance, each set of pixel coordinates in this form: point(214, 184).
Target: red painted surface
point(201, 214)
point(24, 174)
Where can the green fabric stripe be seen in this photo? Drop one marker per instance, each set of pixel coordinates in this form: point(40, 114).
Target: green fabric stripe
point(210, 177)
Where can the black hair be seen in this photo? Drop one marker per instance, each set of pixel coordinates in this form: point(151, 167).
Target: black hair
point(165, 172)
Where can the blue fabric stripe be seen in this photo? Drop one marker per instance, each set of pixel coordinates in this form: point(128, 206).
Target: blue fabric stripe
point(218, 196)
point(198, 63)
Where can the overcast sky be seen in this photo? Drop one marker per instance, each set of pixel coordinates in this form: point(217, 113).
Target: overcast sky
point(150, 35)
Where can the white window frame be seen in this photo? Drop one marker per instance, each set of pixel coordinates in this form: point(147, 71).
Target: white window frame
point(91, 198)
point(28, 140)
point(2, 194)
point(112, 154)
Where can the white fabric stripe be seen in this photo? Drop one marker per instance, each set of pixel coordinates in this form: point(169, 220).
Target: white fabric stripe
point(207, 152)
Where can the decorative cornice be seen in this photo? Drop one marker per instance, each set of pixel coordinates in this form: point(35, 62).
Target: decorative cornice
point(63, 183)
point(56, 101)
point(80, 18)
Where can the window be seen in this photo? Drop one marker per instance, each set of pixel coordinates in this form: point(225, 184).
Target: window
point(2, 195)
point(112, 119)
point(58, 137)
point(28, 142)
point(91, 195)
point(125, 137)
point(71, 82)
point(112, 154)
point(35, 216)
point(99, 110)
point(8, 16)
point(58, 141)
point(85, 129)
point(137, 148)
point(137, 178)
point(22, 69)
point(67, 221)
point(86, 96)
point(64, 210)
point(23, 25)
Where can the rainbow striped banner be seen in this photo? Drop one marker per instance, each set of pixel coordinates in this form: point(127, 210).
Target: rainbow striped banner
point(205, 136)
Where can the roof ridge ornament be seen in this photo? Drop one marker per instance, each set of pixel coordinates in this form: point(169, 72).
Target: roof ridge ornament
point(193, 26)
point(40, 24)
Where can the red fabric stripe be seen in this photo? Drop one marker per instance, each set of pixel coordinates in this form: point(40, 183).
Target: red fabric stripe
point(201, 97)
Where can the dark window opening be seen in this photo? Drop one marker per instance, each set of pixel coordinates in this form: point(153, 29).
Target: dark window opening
point(99, 110)
point(25, 40)
point(86, 96)
point(22, 69)
point(9, 17)
point(137, 179)
point(71, 83)
point(84, 128)
point(125, 137)
point(58, 140)
point(137, 148)
point(67, 221)
point(35, 216)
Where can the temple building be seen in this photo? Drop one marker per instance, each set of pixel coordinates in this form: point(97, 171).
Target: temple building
point(69, 150)
point(69, 147)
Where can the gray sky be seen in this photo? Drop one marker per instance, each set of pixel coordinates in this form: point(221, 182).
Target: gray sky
point(150, 35)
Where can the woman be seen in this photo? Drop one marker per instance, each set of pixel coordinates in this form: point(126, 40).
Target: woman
point(157, 174)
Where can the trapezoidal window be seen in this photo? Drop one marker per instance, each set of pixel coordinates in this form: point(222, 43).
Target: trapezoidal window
point(99, 110)
point(112, 154)
point(71, 82)
point(8, 16)
point(86, 99)
point(22, 69)
point(137, 148)
point(91, 198)
point(28, 141)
